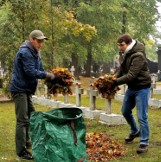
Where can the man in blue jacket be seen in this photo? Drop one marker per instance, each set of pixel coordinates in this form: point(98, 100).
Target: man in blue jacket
point(27, 70)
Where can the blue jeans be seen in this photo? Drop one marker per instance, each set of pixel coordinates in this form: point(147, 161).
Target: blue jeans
point(138, 98)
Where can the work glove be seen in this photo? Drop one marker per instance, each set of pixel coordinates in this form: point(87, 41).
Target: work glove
point(56, 79)
point(50, 76)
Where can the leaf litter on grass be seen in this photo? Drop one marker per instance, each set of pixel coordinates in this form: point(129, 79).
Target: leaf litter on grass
point(100, 147)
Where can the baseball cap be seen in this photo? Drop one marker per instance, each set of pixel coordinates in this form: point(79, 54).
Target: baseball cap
point(38, 34)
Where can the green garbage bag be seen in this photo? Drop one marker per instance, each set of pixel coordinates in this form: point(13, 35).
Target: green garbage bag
point(58, 135)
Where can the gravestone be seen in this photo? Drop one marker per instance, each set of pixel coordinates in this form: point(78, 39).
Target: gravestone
point(123, 89)
point(92, 93)
point(92, 97)
point(153, 83)
point(66, 98)
point(108, 117)
point(72, 70)
point(39, 88)
point(108, 108)
point(78, 92)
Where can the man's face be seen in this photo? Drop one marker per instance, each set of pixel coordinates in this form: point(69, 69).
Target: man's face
point(37, 43)
point(122, 46)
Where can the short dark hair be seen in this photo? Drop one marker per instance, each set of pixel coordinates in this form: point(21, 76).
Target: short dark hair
point(124, 38)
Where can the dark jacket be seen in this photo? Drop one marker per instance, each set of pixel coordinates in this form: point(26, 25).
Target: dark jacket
point(134, 68)
point(27, 69)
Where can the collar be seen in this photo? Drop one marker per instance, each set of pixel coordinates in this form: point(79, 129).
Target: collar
point(130, 46)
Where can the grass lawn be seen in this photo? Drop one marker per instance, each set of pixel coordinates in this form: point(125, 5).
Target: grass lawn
point(7, 130)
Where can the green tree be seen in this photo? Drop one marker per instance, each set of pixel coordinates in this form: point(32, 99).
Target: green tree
point(111, 18)
point(80, 31)
point(17, 20)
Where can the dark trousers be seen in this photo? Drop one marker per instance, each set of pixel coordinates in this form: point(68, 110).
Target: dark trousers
point(23, 109)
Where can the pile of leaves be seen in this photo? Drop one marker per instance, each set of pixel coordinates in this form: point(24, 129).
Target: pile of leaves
point(62, 86)
point(100, 147)
point(104, 86)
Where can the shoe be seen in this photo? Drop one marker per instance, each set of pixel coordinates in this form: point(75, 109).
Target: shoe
point(142, 149)
point(28, 145)
point(132, 137)
point(25, 155)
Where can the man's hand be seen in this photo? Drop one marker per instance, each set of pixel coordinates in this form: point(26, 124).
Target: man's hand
point(114, 84)
point(55, 78)
point(50, 76)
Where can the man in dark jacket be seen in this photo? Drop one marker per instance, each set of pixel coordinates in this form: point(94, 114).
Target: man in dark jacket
point(134, 72)
point(27, 70)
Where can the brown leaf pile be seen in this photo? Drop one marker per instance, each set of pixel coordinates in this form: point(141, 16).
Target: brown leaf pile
point(63, 86)
point(101, 148)
point(104, 86)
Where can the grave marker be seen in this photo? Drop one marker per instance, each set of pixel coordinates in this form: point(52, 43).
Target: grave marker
point(123, 89)
point(78, 92)
point(92, 96)
point(72, 70)
point(108, 108)
point(153, 83)
point(66, 98)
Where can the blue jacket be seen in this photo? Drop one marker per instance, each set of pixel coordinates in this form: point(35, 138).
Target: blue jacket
point(27, 70)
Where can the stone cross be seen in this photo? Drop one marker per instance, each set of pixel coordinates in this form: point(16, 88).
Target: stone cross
point(123, 89)
point(66, 98)
point(108, 108)
point(72, 70)
point(153, 78)
point(153, 83)
point(46, 91)
point(78, 92)
point(38, 89)
point(92, 94)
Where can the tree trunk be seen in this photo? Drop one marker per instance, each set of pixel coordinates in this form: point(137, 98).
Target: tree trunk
point(76, 65)
point(124, 17)
point(88, 63)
